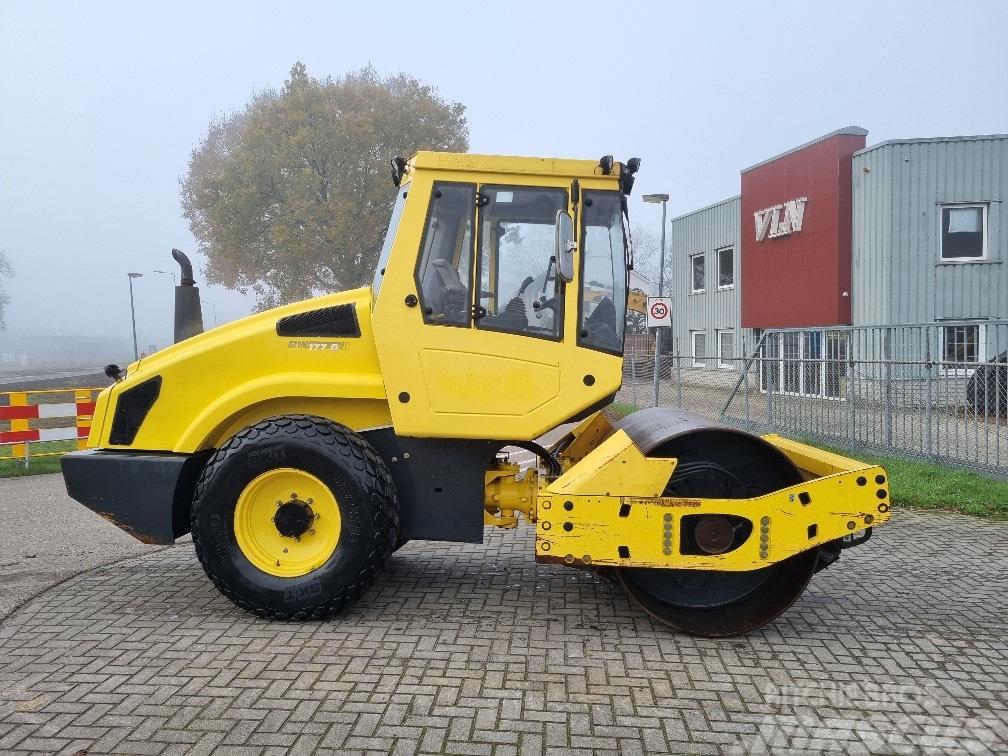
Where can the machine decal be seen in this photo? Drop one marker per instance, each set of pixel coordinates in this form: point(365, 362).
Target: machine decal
point(318, 346)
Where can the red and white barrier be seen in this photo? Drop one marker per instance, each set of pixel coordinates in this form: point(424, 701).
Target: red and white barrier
point(23, 409)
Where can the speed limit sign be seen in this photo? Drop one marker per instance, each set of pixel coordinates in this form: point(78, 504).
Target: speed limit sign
point(659, 312)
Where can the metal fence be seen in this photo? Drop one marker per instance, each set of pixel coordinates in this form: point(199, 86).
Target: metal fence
point(936, 391)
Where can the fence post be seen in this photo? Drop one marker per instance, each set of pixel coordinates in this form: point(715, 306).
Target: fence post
point(657, 364)
point(928, 441)
point(19, 399)
point(678, 362)
point(887, 355)
point(745, 390)
point(83, 396)
point(633, 377)
point(849, 391)
point(770, 392)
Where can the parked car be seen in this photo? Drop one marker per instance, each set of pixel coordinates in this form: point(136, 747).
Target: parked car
point(987, 390)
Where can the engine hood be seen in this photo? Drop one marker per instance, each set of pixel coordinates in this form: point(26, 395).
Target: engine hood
point(321, 348)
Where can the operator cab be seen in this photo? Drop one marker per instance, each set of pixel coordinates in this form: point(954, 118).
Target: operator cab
point(519, 269)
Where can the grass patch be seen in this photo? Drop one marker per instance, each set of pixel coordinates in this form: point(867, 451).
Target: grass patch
point(927, 485)
point(15, 468)
point(618, 410)
point(924, 485)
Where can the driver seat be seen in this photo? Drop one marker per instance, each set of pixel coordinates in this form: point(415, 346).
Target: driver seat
point(444, 291)
point(601, 326)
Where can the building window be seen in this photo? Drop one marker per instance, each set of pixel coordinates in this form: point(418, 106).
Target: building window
point(963, 232)
point(697, 273)
point(726, 349)
point(791, 363)
point(699, 343)
point(795, 362)
point(726, 268)
point(962, 345)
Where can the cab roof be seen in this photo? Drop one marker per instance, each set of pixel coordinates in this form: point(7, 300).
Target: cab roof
point(463, 161)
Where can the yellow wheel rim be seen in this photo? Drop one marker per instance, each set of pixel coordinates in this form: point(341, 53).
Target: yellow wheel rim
point(287, 522)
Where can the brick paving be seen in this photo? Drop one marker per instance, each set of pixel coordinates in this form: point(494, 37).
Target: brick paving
point(901, 647)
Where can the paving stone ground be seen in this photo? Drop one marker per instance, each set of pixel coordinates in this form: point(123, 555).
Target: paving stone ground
point(46, 537)
point(901, 647)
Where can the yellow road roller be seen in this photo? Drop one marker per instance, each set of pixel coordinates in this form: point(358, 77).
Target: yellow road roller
point(302, 445)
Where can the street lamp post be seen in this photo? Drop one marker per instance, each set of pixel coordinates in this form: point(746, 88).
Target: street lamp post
point(136, 352)
point(655, 199)
point(168, 273)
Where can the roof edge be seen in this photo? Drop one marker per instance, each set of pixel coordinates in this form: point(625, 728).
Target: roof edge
point(705, 208)
point(845, 131)
point(928, 140)
point(511, 164)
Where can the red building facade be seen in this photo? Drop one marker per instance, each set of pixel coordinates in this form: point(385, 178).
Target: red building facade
point(796, 235)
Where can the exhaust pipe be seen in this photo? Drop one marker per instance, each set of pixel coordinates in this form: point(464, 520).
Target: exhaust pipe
point(188, 313)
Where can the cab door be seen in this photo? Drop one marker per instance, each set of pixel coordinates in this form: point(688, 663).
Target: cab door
point(476, 332)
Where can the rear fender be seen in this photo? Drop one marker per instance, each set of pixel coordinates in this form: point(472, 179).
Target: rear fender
point(357, 414)
point(285, 393)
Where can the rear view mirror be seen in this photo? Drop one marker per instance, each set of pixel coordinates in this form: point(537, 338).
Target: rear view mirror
point(565, 245)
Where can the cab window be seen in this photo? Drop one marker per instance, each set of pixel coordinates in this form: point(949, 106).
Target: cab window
point(602, 306)
point(520, 291)
point(443, 279)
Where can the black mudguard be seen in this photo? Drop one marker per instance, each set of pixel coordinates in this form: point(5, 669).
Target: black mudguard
point(148, 495)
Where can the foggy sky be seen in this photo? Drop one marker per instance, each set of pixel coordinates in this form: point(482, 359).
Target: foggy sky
point(101, 104)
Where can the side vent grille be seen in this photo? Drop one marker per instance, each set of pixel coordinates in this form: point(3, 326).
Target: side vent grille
point(131, 409)
point(340, 320)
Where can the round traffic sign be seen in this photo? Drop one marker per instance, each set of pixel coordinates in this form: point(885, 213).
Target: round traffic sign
point(659, 310)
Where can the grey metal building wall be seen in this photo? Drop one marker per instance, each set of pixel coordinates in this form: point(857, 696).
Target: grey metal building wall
point(898, 276)
point(704, 231)
point(898, 190)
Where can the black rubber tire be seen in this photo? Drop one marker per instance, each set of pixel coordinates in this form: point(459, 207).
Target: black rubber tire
point(342, 460)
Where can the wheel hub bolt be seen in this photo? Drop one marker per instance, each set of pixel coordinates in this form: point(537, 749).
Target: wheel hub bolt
point(714, 534)
point(293, 519)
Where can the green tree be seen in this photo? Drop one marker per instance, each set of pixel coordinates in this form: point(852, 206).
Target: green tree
point(5, 272)
point(291, 196)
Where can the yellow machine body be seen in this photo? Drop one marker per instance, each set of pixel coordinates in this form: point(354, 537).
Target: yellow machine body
point(216, 383)
point(462, 382)
point(439, 377)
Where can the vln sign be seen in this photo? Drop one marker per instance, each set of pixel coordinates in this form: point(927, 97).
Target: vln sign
point(780, 220)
